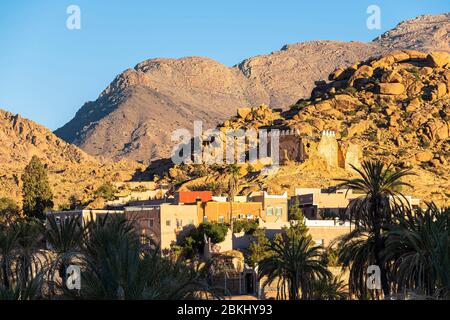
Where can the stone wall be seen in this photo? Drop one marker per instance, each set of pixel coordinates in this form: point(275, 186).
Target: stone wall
point(352, 157)
point(333, 152)
point(328, 148)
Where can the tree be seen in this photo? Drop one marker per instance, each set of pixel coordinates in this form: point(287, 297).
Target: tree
point(106, 191)
point(295, 212)
point(215, 231)
point(248, 226)
point(295, 264)
point(233, 181)
point(419, 246)
point(9, 210)
point(37, 195)
point(64, 236)
point(258, 248)
point(116, 266)
point(195, 239)
point(371, 213)
point(330, 289)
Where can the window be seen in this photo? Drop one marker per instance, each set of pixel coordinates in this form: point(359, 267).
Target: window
point(179, 223)
point(168, 223)
point(150, 223)
point(250, 217)
point(269, 211)
point(221, 219)
point(279, 211)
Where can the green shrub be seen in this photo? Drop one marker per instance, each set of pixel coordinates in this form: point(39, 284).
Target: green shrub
point(248, 226)
point(106, 191)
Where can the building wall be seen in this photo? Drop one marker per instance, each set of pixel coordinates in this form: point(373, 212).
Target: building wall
point(334, 202)
point(147, 221)
point(270, 204)
point(321, 231)
point(85, 215)
point(176, 222)
point(166, 224)
point(325, 235)
point(192, 196)
point(220, 211)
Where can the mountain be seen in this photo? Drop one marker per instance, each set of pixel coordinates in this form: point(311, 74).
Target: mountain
point(395, 108)
point(133, 118)
point(71, 171)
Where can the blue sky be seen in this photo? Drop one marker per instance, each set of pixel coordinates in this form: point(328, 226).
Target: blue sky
point(48, 71)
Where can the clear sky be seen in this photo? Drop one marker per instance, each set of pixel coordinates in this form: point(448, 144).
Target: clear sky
point(48, 71)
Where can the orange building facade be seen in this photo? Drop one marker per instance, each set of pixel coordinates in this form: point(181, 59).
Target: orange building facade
point(222, 211)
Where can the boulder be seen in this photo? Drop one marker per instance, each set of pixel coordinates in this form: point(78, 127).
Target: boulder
point(393, 120)
point(362, 72)
point(322, 106)
point(413, 54)
point(358, 128)
point(391, 88)
point(391, 76)
point(438, 59)
point(441, 89)
point(336, 73)
point(425, 71)
point(398, 56)
point(439, 130)
point(306, 129)
point(345, 102)
point(415, 88)
point(318, 123)
point(424, 156)
point(243, 112)
point(413, 105)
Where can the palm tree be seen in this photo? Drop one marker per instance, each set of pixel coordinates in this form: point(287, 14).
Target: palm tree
point(420, 246)
point(65, 238)
point(371, 213)
point(330, 289)
point(31, 259)
point(22, 261)
point(8, 243)
point(295, 264)
point(115, 265)
point(233, 181)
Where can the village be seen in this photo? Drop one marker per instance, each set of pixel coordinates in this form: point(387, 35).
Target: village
point(167, 221)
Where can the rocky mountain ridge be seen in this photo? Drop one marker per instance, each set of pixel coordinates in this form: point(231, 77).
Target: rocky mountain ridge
point(71, 171)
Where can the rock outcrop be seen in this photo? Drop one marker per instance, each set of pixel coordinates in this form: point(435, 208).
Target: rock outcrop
point(348, 119)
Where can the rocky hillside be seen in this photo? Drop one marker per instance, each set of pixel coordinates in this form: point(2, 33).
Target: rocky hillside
point(71, 170)
point(134, 117)
point(395, 108)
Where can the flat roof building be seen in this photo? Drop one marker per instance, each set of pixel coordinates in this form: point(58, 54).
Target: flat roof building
point(165, 224)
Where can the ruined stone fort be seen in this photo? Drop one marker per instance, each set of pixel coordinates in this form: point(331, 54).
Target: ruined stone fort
point(292, 147)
